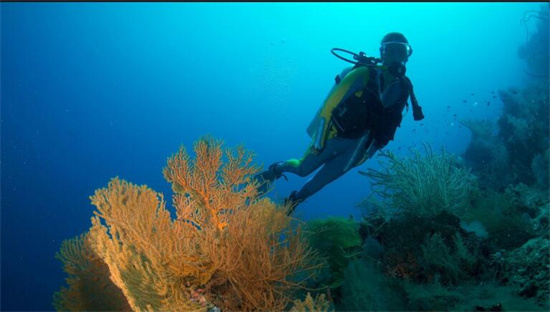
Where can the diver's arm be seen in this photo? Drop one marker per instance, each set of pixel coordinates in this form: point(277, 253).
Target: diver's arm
point(352, 82)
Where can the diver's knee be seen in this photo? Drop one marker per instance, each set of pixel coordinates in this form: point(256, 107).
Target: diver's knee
point(301, 172)
point(295, 166)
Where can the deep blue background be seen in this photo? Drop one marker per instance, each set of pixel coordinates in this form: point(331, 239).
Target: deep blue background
point(94, 91)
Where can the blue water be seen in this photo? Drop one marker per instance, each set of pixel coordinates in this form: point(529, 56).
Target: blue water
point(94, 91)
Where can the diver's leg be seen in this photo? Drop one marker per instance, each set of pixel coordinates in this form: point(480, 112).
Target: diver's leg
point(333, 169)
point(312, 161)
point(304, 166)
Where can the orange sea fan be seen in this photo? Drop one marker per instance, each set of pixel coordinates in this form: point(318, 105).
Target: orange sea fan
point(239, 251)
point(90, 288)
point(207, 188)
point(142, 245)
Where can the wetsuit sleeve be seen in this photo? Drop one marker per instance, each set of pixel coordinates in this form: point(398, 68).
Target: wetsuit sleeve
point(352, 82)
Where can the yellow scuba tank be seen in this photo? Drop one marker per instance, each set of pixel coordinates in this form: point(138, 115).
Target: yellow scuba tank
point(315, 125)
point(360, 59)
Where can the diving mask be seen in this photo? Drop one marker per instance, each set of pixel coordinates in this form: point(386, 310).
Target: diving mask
point(396, 49)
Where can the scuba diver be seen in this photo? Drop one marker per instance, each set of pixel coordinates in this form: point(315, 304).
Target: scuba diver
point(359, 116)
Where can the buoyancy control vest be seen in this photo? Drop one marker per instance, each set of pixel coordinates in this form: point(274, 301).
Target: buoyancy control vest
point(365, 110)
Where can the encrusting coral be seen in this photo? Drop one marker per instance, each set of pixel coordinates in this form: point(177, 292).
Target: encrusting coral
point(226, 248)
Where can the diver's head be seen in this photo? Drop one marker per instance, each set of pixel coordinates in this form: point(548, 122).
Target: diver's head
point(394, 52)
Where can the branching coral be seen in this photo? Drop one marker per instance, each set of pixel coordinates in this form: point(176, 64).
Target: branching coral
point(337, 240)
point(154, 261)
point(423, 185)
point(241, 252)
point(319, 304)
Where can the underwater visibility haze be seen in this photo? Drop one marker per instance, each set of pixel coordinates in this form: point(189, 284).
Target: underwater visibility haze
point(97, 99)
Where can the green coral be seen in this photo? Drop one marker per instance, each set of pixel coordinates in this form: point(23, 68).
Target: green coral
point(423, 184)
point(338, 240)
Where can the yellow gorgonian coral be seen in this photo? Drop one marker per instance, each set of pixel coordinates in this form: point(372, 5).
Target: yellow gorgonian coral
point(226, 247)
point(319, 304)
point(90, 288)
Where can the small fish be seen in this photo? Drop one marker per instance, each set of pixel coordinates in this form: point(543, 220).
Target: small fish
point(448, 107)
point(472, 94)
point(488, 103)
point(494, 97)
point(454, 115)
point(464, 101)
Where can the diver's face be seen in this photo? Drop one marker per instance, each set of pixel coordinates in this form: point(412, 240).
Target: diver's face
point(395, 52)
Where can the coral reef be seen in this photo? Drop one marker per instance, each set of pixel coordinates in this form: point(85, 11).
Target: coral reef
point(424, 248)
point(437, 255)
point(521, 145)
point(227, 248)
point(528, 268)
point(514, 207)
point(433, 263)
